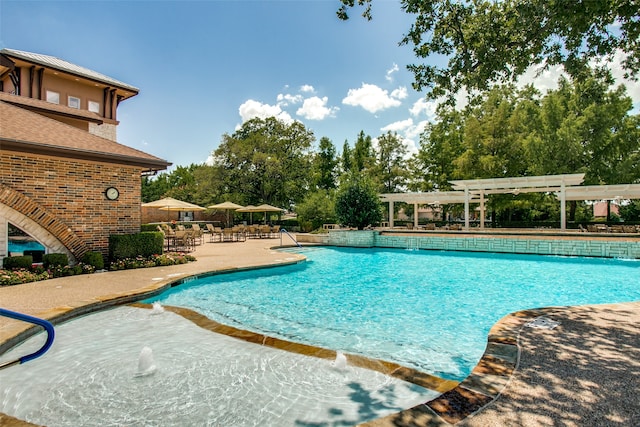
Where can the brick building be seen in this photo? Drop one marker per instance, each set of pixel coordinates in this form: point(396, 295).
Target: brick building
point(65, 181)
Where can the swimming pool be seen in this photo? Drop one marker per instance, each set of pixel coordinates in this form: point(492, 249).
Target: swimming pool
point(428, 310)
point(92, 376)
point(21, 246)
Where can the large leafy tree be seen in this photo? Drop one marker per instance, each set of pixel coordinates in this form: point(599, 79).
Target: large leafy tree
point(357, 202)
point(486, 41)
point(390, 167)
point(325, 165)
point(266, 161)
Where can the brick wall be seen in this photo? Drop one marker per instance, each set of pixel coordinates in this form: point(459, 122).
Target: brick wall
point(73, 191)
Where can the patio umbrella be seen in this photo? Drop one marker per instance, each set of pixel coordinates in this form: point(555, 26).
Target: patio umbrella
point(170, 204)
point(251, 209)
point(228, 206)
point(267, 208)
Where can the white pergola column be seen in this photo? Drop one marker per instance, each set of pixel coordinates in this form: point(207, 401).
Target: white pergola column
point(391, 214)
point(466, 208)
point(482, 213)
point(415, 215)
point(563, 207)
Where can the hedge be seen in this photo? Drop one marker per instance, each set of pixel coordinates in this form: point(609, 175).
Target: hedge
point(142, 244)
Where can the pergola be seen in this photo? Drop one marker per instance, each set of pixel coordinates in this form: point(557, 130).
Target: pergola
point(565, 187)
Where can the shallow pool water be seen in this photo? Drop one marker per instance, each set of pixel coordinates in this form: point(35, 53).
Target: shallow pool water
point(426, 309)
point(91, 377)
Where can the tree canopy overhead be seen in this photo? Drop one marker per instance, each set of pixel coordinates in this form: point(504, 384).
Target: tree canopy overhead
point(488, 41)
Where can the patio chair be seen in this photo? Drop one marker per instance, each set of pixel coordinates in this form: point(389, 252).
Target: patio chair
point(182, 241)
point(197, 233)
point(214, 233)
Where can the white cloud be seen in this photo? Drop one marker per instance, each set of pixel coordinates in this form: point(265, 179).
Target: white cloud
point(544, 80)
point(315, 108)
point(307, 89)
point(390, 72)
point(398, 126)
point(251, 109)
point(400, 93)
point(373, 99)
point(548, 79)
point(408, 132)
point(422, 106)
point(286, 99)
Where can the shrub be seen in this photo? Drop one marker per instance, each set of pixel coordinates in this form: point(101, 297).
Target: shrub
point(357, 203)
point(17, 262)
point(54, 260)
point(143, 244)
point(17, 277)
point(93, 259)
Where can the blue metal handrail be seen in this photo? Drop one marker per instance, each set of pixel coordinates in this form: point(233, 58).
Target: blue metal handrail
point(282, 230)
point(48, 327)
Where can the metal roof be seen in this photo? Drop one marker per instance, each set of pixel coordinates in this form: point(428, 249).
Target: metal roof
point(65, 66)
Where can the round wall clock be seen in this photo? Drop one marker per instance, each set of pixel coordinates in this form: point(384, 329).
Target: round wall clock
point(112, 193)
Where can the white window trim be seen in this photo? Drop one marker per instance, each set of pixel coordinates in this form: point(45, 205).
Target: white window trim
point(53, 97)
point(95, 105)
point(71, 100)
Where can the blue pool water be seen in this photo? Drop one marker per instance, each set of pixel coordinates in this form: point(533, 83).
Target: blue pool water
point(425, 309)
point(17, 246)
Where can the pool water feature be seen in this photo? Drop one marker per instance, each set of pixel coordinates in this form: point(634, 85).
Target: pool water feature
point(156, 368)
point(428, 310)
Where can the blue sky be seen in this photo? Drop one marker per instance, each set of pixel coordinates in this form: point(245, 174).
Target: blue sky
point(203, 67)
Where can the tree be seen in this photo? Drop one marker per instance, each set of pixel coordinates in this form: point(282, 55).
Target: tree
point(357, 202)
point(316, 209)
point(346, 160)
point(390, 163)
point(489, 41)
point(362, 155)
point(266, 161)
point(325, 165)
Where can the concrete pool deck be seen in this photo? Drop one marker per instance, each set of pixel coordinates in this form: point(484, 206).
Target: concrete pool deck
point(583, 372)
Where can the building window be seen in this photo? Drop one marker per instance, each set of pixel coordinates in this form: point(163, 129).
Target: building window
point(53, 97)
point(94, 107)
point(74, 102)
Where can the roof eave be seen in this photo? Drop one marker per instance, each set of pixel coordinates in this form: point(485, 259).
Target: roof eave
point(148, 164)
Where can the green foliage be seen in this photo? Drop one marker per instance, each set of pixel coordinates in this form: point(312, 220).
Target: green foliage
point(150, 261)
point(317, 208)
point(143, 244)
point(631, 211)
point(93, 259)
point(55, 260)
point(17, 262)
point(325, 165)
point(357, 203)
point(489, 41)
point(390, 168)
point(17, 277)
point(265, 161)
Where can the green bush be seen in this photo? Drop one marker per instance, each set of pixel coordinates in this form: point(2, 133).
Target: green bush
point(54, 260)
point(17, 262)
point(93, 259)
point(357, 203)
point(142, 244)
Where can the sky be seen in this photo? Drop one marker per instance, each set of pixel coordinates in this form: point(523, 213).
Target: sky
point(204, 67)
